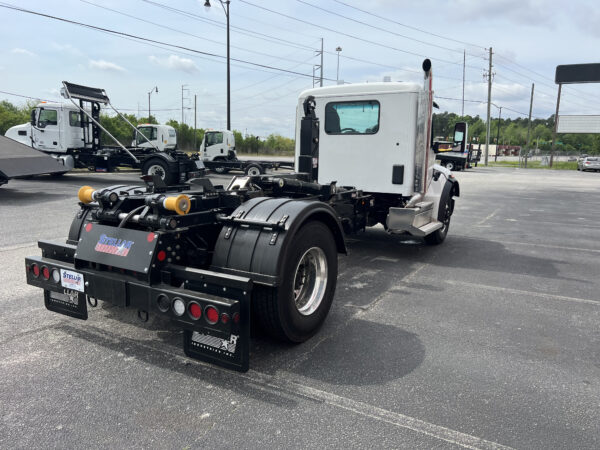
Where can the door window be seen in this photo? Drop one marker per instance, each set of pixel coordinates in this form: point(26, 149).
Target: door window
point(47, 117)
point(356, 117)
point(74, 119)
point(214, 138)
point(149, 132)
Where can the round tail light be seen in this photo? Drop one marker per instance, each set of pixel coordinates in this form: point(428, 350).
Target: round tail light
point(236, 317)
point(225, 318)
point(212, 314)
point(45, 273)
point(35, 269)
point(178, 307)
point(56, 275)
point(163, 303)
point(195, 310)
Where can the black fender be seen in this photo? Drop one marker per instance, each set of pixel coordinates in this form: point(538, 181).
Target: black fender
point(248, 246)
point(451, 189)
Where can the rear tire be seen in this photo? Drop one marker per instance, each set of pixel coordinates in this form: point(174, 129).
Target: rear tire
point(158, 167)
point(295, 310)
point(449, 165)
point(254, 170)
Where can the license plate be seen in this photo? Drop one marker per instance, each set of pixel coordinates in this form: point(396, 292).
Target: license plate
point(72, 280)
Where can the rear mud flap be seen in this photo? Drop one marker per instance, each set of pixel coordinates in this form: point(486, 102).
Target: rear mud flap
point(69, 303)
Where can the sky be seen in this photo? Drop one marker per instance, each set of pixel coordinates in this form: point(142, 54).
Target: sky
point(275, 48)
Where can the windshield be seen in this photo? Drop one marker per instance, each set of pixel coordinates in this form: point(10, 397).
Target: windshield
point(149, 132)
point(214, 138)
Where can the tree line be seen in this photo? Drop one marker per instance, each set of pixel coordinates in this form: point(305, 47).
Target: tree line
point(512, 132)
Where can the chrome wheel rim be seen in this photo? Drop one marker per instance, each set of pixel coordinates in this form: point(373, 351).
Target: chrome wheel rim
point(253, 171)
point(310, 281)
point(157, 169)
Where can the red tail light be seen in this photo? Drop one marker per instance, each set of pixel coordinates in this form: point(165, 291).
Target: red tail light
point(224, 318)
point(236, 317)
point(212, 314)
point(45, 273)
point(195, 310)
point(36, 270)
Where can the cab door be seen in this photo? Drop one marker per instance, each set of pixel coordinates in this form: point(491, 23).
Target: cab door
point(368, 141)
point(47, 136)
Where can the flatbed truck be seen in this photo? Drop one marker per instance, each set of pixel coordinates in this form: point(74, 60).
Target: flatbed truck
point(264, 250)
point(218, 153)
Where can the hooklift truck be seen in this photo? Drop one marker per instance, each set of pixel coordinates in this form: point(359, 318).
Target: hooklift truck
point(71, 133)
point(266, 247)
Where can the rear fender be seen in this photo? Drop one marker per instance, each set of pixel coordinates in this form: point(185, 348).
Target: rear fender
point(254, 240)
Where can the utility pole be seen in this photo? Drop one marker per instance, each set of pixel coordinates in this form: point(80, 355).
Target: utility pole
point(195, 113)
point(321, 84)
point(489, 105)
point(463, 93)
point(498, 134)
point(529, 123)
point(337, 76)
point(320, 67)
point(555, 124)
point(183, 89)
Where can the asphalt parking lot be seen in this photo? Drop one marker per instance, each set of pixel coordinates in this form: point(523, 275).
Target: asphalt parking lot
point(491, 340)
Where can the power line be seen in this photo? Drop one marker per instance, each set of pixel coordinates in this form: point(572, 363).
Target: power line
point(120, 33)
point(346, 34)
point(266, 37)
point(379, 28)
point(409, 26)
point(203, 38)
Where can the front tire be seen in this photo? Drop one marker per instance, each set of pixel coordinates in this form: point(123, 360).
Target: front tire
point(444, 215)
point(295, 310)
point(449, 165)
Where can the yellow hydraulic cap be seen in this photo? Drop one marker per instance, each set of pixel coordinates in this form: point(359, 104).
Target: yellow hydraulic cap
point(86, 194)
point(180, 204)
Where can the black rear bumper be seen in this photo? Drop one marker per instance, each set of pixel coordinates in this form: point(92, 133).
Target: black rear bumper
point(224, 342)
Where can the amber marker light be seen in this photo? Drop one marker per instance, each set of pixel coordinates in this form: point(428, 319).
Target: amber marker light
point(86, 194)
point(180, 204)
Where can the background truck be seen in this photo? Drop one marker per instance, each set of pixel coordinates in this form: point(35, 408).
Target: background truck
point(265, 249)
point(218, 154)
point(71, 133)
point(455, 154)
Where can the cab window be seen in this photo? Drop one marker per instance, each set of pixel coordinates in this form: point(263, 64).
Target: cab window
point(48, 117)
point(214, 138)
point(74, 119)
point(149, 132)
point(172, 133)
point(356, 117)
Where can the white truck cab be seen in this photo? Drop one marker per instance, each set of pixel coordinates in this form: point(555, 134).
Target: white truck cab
point(54, 128)
point(162, 137)
point(367, 135)
point(218, 145)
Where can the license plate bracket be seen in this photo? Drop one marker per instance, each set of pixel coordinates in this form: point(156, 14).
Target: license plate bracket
point(70, 303)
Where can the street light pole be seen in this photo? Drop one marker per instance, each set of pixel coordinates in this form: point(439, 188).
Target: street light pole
point(225, 5)
point(498, 135)
point(155, 88)
point(338, 50)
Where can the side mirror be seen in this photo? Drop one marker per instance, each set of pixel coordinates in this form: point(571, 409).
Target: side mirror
point(460, 135)
point(32, 117)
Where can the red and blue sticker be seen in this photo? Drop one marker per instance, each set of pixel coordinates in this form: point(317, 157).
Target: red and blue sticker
point(113, 246)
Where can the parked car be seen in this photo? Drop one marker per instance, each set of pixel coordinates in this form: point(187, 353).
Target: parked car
point(589, 163)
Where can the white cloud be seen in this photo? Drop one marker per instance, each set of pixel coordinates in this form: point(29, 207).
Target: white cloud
point(175, 62)
point(66, 48)
point(22, 51)
point(100, 64)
